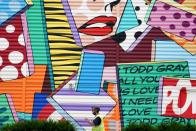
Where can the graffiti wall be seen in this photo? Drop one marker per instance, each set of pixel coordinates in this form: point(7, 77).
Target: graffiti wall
point(135, 59)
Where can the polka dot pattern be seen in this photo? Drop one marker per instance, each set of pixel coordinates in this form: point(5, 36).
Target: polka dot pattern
point(185, 21)
point(166, 7)
point(140, 8)
point(14, 61)
point(4, 44)
point(172, 26)
point(8, 8)
point(8, 73)
point(194, 31)
point(194, 21)
point(10, 29)
point(177, 15)
point(185, 24)
point(25, 69)
point(1, 61)
point(163, 18)
point(188, 15)
point(21, 39)
point(15, 57)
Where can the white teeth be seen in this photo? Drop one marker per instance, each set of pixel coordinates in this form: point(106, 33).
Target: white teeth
point(96, 25)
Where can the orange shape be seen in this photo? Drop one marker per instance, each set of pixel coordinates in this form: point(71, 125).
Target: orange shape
point(190, 46)
point(112, 120)
point(190, 4)
point(22, 90)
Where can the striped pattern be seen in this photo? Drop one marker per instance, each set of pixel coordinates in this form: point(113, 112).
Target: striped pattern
point(7, 112)
point(112, 120)
point(65, 54)
point(78, 105)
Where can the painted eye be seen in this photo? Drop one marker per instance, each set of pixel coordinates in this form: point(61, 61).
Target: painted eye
point(112, 4)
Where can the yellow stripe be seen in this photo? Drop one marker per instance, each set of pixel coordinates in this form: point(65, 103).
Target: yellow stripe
point(180, 6)
point(53, 5)
point(64, 62)
point(56, 52)
point(63, 73)
point(60, 38)
point(57, 24)
point(65, 58)
point(63, 65)
point(52, 1)
point(63, 68)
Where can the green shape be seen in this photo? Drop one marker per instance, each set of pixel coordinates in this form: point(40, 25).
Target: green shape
point(6, 116)
point(105, 86)
point(139, 84)
point(149, 10)
point(37, 31)
point(38, 36)
point(24, 116)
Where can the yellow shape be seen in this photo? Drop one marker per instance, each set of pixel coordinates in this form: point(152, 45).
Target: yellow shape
point(65, 54)
point(180, 6)
point(190, 46)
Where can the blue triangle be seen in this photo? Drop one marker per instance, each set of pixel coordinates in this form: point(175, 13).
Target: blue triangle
point(128, 19)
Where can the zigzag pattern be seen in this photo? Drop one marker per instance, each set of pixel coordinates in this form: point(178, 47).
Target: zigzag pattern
point(65, 54)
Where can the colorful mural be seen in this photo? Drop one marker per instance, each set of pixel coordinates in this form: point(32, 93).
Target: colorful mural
point(135, 59)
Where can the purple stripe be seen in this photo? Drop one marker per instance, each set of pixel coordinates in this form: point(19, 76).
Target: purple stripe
point(82, 122)
point(71, 22)
point(86, 107)
point(139, 39)
point(69, 92)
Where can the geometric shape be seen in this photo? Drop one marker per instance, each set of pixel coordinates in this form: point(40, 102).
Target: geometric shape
point(39, 103)
point(136, 34)
point(128, 19)
point(24, 116)
point(22, 90)
point(7, 112)
point(190, 46)
point(21, 39)
point(150, 8)
point(12, 53)
point(114, 53)
point(64, 53)
point(78, 105)
point(9, 8)
point(71, 21)
point(42, 110)
point(36, 24)
point(4, 44)
point(169, 50)
point(8, 73)
point(184, 26)
point(10, 29)
point(15, 57)
point(181, 99)
point(1, 61)
point(64, 114)
point(138, 85)
point(37, 32)
point(25, 69)
point(187, 5)
point(90, 72)
point(28, 44)
point(112, 120)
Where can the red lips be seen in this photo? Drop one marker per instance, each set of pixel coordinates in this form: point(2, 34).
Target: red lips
point(99, 31)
